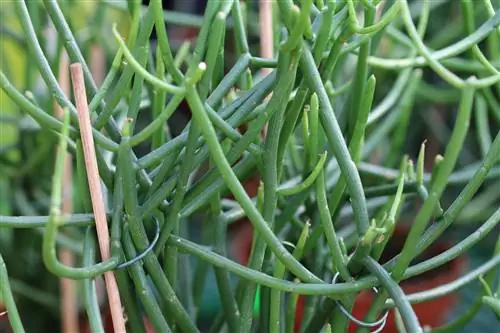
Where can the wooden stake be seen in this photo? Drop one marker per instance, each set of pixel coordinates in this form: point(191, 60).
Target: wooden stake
point(97, 63)
point(69, 305)
point(266, 38)
point(266, 31)
point(96, 194)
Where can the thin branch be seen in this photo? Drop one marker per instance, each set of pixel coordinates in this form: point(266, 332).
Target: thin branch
point(96, 193)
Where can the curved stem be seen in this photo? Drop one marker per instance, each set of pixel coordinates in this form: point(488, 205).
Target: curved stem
point(400, 300)
point(448, 76)
point(142, 71)
point(451, 287)
point(8, 299)
point(164, 43)
point(49, 253)
point(372, 28)
point(334, 291)
point(447, 52)
point(299, 28)
point(287, 191)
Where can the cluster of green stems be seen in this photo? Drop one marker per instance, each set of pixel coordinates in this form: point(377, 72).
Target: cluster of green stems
point(315, 38)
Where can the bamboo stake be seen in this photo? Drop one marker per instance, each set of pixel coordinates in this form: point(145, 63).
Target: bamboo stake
point(97, 63)
point(96, 193)
point(69, 305)
point(266, 31)
point(266, 38)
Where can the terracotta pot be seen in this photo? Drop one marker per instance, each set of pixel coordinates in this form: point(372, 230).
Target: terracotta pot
point(431, 313)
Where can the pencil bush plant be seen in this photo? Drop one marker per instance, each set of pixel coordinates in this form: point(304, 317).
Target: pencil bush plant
point(331, 132)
